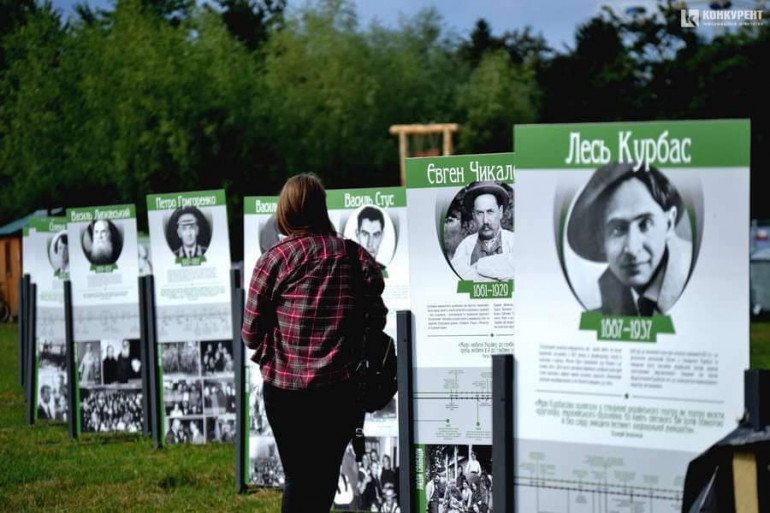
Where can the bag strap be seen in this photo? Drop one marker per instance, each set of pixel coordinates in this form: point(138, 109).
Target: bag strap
point(359, 310)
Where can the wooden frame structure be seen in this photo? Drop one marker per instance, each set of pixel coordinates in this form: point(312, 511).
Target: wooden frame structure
point(447, 129)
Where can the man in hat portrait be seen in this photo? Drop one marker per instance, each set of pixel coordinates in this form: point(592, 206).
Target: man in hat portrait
point(188, 222)
point(486, 255)
point(628, 219)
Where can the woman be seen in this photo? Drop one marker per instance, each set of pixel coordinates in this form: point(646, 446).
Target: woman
point(300, 306)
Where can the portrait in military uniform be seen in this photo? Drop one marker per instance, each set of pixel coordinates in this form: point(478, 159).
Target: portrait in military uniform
point(188, 232)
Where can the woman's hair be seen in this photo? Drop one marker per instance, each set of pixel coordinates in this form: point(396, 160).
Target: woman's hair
point(302, 207)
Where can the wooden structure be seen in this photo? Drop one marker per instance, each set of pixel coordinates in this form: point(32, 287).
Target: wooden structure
point(433, 129)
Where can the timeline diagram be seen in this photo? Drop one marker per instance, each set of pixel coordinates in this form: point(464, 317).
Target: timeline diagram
point(200, 322)
point(586, 478)
point(453, 405)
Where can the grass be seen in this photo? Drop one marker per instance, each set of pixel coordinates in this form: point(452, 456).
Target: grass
point(40, 467)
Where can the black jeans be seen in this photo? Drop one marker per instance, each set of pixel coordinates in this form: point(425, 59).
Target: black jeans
point(312, 428)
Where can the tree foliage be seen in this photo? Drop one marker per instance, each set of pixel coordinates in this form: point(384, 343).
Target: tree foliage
point(161, 95)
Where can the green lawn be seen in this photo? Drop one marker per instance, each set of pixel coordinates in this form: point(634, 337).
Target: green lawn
point(40, 467)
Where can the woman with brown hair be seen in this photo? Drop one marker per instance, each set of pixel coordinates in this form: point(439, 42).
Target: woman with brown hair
point(298, 313)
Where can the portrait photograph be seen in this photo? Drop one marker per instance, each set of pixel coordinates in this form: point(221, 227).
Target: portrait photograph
point(110, 409)
point(184, 431)
point(52, 395)
point(374, 230)
point(181, 358)
point(188, 232)
point(265, 462)
point(629, 239)
point(269, 233)
point(477, 232)
point(145, 257)
point(220, 429)
point(89, 360)
point(102, 242)
point(218, 397)
point(58, 252)
point(217, 358)
point(182, 397)
point(121, 361)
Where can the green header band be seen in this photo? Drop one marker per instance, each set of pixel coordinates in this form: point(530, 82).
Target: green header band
point(104, 268)
point(48, 224)
point(618, 328)
point(260, 205)
point(383, 197)
point(663, 144)
point(112, 213)
point(460, 170)
point(190, 261)
point(486, 289)
point(177, 200)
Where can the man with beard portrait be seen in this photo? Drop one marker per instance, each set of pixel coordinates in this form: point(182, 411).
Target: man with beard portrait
point(105, 242)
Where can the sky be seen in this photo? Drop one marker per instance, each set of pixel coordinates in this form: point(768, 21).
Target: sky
point(555, 19)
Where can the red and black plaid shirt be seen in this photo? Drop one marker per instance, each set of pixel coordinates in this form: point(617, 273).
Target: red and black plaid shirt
point(300, 299)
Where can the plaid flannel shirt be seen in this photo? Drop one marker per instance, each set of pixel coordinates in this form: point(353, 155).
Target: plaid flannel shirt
point(300, 298)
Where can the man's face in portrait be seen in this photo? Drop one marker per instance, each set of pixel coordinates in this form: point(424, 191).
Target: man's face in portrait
point(635, 232)
point(369, 235)
point(187, 230)
point(110, 353)
point(45, 394)
point(126, 348)
point(487, 214)
point(102, 242)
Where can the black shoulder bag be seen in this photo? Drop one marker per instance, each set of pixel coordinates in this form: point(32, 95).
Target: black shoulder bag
point(377, 368)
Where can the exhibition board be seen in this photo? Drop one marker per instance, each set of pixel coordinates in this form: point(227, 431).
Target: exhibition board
point(382, 213)
point(105, 318)
point(632, 322)
point(47, 263)
point(460, 213)
point(190, 249)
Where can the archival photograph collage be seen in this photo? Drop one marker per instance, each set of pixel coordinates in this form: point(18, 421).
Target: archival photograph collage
point(198, 391)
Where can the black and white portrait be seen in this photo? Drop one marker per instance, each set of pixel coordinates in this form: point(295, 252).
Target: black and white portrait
point(188, 232)
point(478, 232)
point(269, 233)
point(220, 429)
point(58, 253)
point(121, 361)
point(102, 242)
point(628, 242)
point(145, 257)
point(218, 396)
point(89, 363)
point(217, 358)
point(52, 394)
point(187, 431)
point(181, 358)
point(374, 230)
point(183, 397)
point(110, 409)
point(458, 478)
